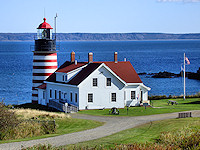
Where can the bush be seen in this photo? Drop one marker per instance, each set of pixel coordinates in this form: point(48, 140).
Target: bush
point(24, 130)
point(186, 138)
point(13, 128)
point(8, 121)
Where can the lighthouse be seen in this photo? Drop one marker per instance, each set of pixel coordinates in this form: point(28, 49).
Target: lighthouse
point(44, 57)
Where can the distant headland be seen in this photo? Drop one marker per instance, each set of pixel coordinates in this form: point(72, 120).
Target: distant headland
point(102, 36)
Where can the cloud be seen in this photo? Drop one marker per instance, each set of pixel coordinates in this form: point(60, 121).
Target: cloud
point(186, 1)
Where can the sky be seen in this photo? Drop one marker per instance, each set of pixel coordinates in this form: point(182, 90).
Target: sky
point(101, 16)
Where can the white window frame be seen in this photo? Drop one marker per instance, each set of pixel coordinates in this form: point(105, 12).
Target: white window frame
point(44, 95)
point(76, 97)
point(92, 97)
point(55, 94)
point(132, 95)
point(50, 93)
point(107, 82)
point(59, 94)
point(71, 97)
point(112, 97)
point(94, 82)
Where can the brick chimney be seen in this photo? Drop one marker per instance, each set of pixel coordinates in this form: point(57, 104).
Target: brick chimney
point(115, 57)
point(90, 57)
point(72, 56)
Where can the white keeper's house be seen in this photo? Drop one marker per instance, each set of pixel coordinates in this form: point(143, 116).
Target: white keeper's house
point(93, 85)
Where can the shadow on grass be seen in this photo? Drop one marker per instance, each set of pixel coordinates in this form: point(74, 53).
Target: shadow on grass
point(36, 106)
point(195, 102)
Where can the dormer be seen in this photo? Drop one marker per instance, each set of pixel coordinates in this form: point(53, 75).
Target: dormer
point(67, 76)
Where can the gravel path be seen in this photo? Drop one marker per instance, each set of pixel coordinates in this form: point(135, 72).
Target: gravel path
point(112, 125)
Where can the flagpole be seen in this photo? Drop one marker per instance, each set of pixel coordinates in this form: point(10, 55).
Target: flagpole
point(55, 24)
point(184, 78)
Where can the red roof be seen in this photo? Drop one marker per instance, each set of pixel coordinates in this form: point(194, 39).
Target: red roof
point(71, 67)
point(122, 69)
point(44, 25)
point(125, 71)
point(43, 86)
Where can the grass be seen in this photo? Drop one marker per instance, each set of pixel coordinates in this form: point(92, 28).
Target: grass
point(145, 133)
point(64, 123)
point(160, 107)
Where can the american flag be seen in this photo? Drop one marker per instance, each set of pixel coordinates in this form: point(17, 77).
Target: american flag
point(187, 60)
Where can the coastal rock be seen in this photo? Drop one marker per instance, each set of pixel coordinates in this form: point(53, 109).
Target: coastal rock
point(194, 75)
point(165, 74)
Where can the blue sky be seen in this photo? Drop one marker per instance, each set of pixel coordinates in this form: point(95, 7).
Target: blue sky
point(102, 16)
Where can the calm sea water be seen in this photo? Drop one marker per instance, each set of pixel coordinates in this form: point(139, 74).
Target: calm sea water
point(146, 56)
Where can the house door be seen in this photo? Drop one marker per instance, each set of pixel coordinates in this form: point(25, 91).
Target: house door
point(141, 97)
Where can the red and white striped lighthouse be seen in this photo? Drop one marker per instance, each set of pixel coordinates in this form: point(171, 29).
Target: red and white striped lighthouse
point(44, 58)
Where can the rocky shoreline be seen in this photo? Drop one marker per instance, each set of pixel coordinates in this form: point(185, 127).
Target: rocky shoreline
point(165, 74)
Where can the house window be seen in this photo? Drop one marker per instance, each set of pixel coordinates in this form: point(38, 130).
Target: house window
point(76, 97)
point(50, 93)
point(108, 83)
point(43, 94)
point(66, 78)
point(71, 97)
point(55, 94)
point(65, 95)
point(113, 97)
point(63, 78)
point(90, 98)
point(94, 81)
point(132, 94)
point(59, 94)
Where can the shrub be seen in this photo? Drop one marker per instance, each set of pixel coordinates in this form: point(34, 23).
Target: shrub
point(13, 128)
point(24, 130)
point(8, 121)
point(186, 138)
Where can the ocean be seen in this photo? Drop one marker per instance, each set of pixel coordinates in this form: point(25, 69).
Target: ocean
point(145, 56)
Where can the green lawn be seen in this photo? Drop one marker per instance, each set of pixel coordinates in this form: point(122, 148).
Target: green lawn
point(64, 126)
point(141, 134)
point(160, 107)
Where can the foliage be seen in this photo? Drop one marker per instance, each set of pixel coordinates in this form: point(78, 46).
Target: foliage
point(8, 121)
point(24, 130)
point(13, 125)
point(186, 138)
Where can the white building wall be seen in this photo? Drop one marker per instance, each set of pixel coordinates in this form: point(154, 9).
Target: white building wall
point(65, 92)
point(42, 96)
point(59, 76)
point(101, 93)
point(128, 100)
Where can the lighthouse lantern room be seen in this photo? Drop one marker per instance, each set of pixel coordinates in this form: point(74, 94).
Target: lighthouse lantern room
point(44, 57)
